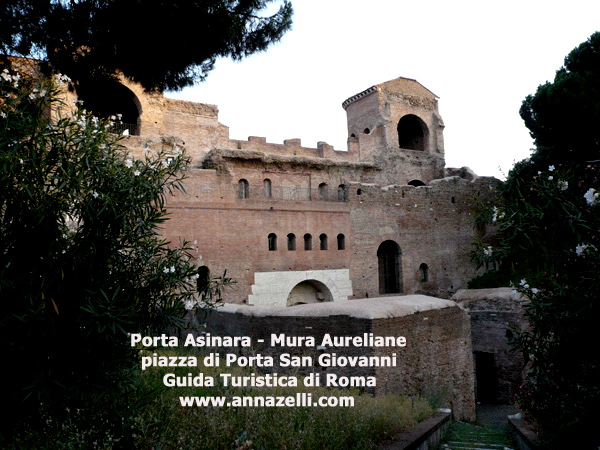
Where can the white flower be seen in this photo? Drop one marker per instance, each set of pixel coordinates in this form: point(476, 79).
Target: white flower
point(563, 185)
point(580, 249)
point(129, 163)
point(591, 196)
point(535, 290)
point(551, 168)
point(189, 304)
point(136, 173)
point(126, 132)
point(3, 114)
point(172, 269)
point(550, 177)
point(95, 194)
point(488, 251)
point(166, 270)
point(524, 284)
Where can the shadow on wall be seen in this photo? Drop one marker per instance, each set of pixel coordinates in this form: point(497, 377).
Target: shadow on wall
point(309, 291)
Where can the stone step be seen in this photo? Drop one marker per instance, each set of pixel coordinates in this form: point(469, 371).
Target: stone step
point(466, 436)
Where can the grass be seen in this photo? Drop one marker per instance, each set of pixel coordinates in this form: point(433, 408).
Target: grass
point(158, 421)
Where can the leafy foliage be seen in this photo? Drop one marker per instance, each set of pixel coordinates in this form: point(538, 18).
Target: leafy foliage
point(563, 116)
point(81, 262)
point(549, 239)
point(161, 45)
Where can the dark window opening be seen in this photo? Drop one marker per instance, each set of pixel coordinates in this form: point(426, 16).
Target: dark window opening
point(416, 183)
point(112, 100)
point(243, 189)
point(272, 242)
point(203, 280)
point(452, 200)
point(267, 188)
point(390, 268)
point(366, 131)
point(412, 133)
point(323, 242)
point(342, 193)
point(323, 191)
point(359, 191)
point(341, 242)
point(424, 272)
point(307, 242)
point(291, 241)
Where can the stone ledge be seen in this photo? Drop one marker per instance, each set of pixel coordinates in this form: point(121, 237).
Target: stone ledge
point(524, 435)
point(424, 435)
point(372, 308)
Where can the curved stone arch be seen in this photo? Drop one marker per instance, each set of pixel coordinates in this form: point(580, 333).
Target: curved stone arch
point(389, 262)
point(413, 133)
point(107, 98)
point(309, 291)
point(274, 288)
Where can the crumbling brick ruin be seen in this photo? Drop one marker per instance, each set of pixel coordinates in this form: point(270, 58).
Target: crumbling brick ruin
point(298, 225)
point(293, 224)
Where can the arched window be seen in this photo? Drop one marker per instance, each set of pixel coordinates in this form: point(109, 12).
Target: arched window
point(267, 188)
point(389, 258)
point(412, 133)
point(424, 272)
point(243, 189)
point(307, 242)
point(110, 99)
point(323, 191)
point(415, 183)
point(272, 242)
point(291, 241)
point(203, 280)
point(342, 193)
point(341, 241)
point(359, 191)
point(323, 242)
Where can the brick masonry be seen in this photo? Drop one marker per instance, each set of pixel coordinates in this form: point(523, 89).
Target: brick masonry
point(436, 362)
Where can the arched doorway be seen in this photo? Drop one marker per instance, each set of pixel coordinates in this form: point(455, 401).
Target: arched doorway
point(412, 133)
point(309, 291)
point(106, 99)
point(389, 257)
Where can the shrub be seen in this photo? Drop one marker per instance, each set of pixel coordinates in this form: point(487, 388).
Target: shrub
point(81, 261)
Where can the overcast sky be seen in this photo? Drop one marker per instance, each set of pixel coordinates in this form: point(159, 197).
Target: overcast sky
point(482, 58)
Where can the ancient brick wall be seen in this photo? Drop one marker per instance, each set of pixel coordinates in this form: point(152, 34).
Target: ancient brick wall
point(436, 361)
point(496, 318)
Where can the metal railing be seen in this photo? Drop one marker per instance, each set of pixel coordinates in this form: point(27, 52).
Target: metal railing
point(120, 127)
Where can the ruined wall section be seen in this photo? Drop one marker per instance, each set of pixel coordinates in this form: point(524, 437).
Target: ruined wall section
point(436, 361)
point(497, 317)
point(373, 117)
point(232, 233)
point(171, 125)
point(432, 225)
